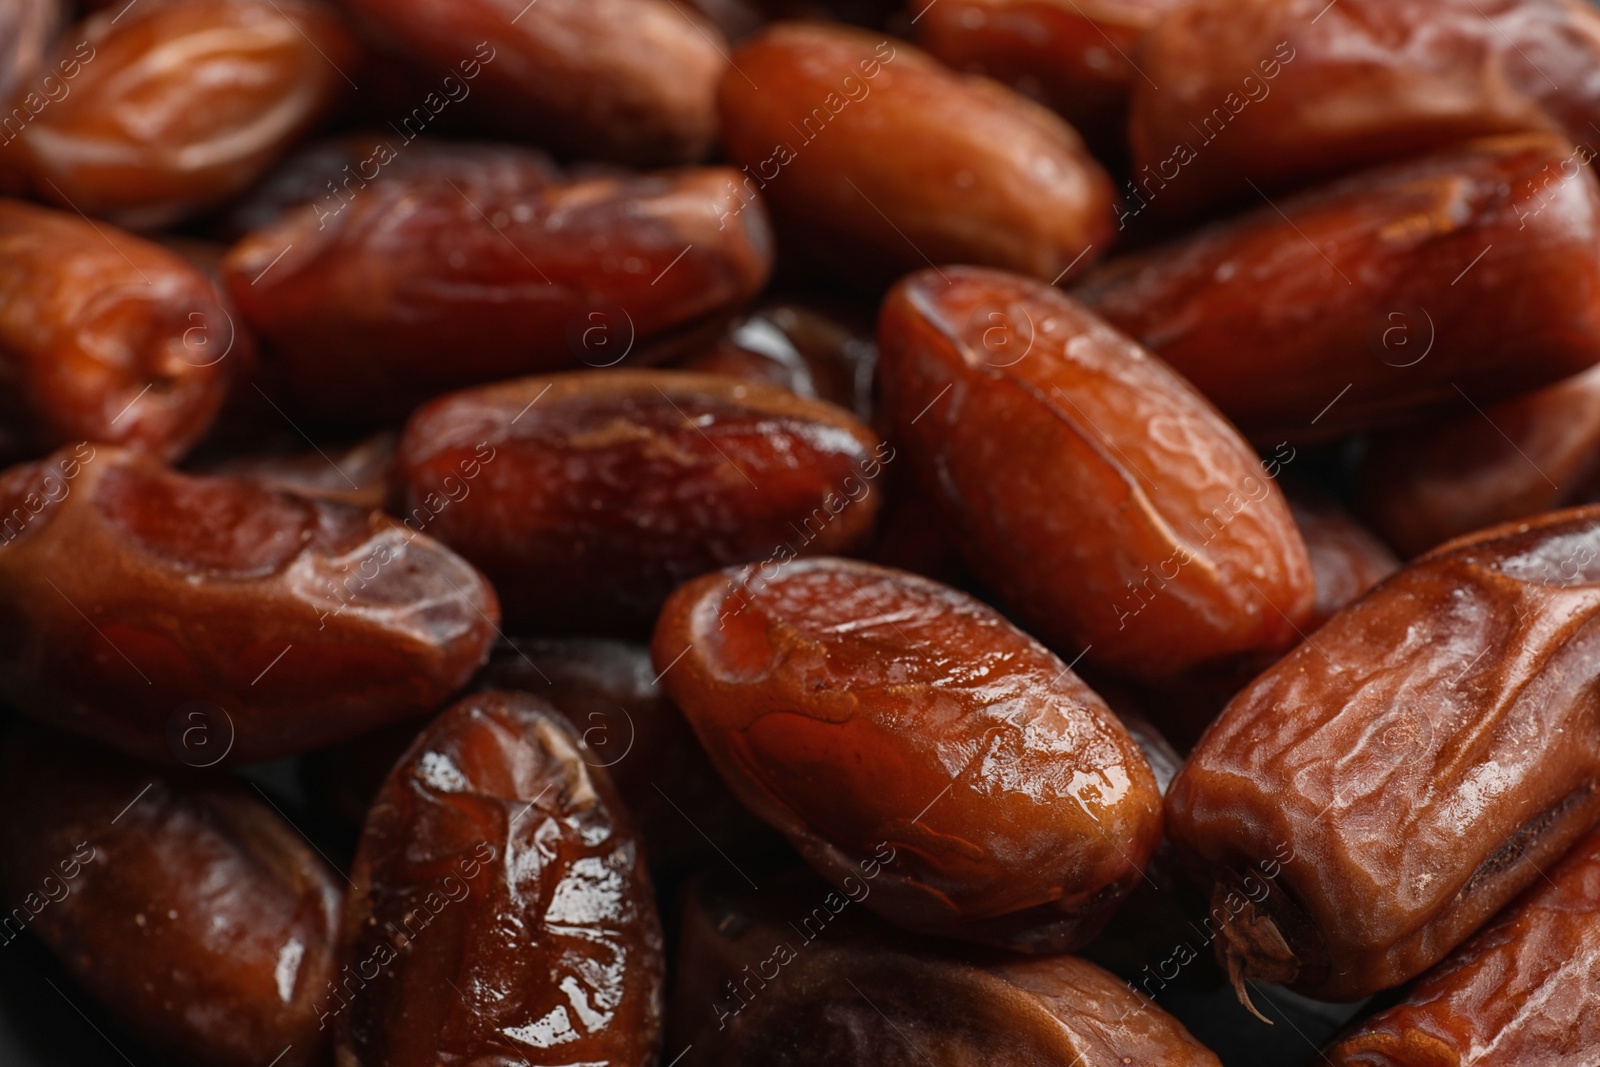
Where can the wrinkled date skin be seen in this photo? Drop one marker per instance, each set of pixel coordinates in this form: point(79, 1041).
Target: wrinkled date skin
point(1519, 994)
point(788, 978)
point(876, 159)
point(130, 594)
point(1402, 775)
point(587, 498)
point(170, 108)
point(510, 274)
point(1044, 432)
point(1346, 558)
point(196, 915)
point(632, 81)
point(105, 337)
point(501, 911)
point(1282, 93)
point(1376, 284)
point(884, 722)
point(1420, 486)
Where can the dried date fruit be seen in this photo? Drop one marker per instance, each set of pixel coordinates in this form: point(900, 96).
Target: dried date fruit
point(1519, 994)
point(876, 159)
point(1388, 293)
point(501, 911)
point(1106, 502)
point(587, 498)
point(1346, 558)
point(825, 353)
point(284, 623)
point(1408, 770)
point(508, 273)
point(886, 723)
point(105, 337)
point(197, 916)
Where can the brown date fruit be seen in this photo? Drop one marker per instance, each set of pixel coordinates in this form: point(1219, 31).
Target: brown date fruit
point(358, 475)
point(1519, 994)
point(105, 337)
point(1380, 296)
point(501, 911)
point(173, 107)
point(1106, 502)
point(1346, 558)
point(822, 352)
point(1409, 769)
point(879, 719)
point(876, 159)
point(28, 30)
point(1421, 485)
point(285, 622)
point(1278, 94)
point(587, 498)
point(506, 272)
point(194, 914)
point(632, 81)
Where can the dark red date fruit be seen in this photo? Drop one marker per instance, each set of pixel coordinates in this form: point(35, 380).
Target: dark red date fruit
point(284, 622)
point(105, 337)
point(814, 351)
point(881, 720)
point(587, 498)
point(1107, 503)
point(501, 911)
point(1519, 994)
point(1409, 769)
point(191, 911)
point(877, 159)
point(1346, 558)
point(1383, 295)
point(509, 274)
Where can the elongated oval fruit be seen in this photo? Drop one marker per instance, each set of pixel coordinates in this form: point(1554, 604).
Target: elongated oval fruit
point(587, 498)
point(1411, 767)
point(184, 904)
point(1107, 503)
point(510, 273)
point(501, 909)
point(1519, 994)
point(134, 599)
point(1475, 270)
point(877, 159)
point(882, 720)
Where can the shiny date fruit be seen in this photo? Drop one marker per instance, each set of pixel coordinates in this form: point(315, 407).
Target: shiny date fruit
point(587, 498)
point(1408, 770)
point(632, 81)
point(1115, 512)
point(200, 919)
point(179, 105)
point(1346, 558)
point(105, 337)
point(879, 718)
point(1383, 295)
point(821, 352)
point(876, 159)
point(1248, 97)
point(501, 911)
point(509, 274)
point(284, 623)
point(1519, 994)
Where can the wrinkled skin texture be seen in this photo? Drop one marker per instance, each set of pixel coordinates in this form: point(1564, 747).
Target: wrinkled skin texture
point(587, 498)
point(27, 30)
point(630, 81)
point(1346, 558)
point(1106, 501)
point(876, 717)
point(177, 106)
point(1421, 758)
point(1282, 93)
point(502, 901)
point(105, 337)
point(1420, 486)
point(840, 991)
point(196, 915)
point(358, 475)
point(305, 622)
point(853, 136)
point(505, 271)
point(1519, 994)
point(1372, 283)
